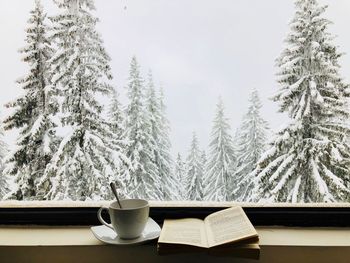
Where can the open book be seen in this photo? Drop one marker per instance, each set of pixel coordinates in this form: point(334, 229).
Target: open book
point(223, 233)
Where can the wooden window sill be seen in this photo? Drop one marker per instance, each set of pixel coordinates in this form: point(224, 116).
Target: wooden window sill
point(77, 244)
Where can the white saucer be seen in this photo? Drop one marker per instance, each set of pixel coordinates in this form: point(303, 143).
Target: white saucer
point(107, 235)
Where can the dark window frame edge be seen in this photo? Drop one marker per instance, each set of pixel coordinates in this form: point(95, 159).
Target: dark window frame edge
point(260, 216)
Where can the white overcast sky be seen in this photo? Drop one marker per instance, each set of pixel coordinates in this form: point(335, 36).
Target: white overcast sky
point(197, 49)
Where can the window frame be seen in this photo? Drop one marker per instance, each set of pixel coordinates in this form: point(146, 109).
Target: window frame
point(336, 215)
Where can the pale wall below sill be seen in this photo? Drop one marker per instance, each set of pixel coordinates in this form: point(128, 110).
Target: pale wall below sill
point(77, 244)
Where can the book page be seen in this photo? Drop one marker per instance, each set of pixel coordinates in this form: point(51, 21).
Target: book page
point(189, 231)
point(228, 225)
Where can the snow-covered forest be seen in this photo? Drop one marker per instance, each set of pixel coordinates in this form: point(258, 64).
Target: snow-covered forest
point(71, 144)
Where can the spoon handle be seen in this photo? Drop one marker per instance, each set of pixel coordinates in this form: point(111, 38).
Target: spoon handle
point(114, 190)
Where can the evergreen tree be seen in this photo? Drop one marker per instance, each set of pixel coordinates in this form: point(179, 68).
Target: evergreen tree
point(221, 158)
point(4, 186)
point(165, 161)
point(122, 163)
point(308, 161)
point(144, 180)
point(204, 164)
point(153, 116)
point(83, 163)
point(251, 143)
point(180, 177)
point(194, 172)
point(116, 116)
point(33, 113)
point(204, 160)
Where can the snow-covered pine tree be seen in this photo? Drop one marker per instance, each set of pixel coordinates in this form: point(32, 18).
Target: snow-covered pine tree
point(165, 162)
point(117, 121)
point(83, 164)
point(144, 180)
point(153, 116)
point(204, 160)
point(221, 158)
point(33, 113)
point(4, 186)
point(180, 177)
point(251, 143)
point(308, 161)
point(204, 163)
point(116, 115)
point(194, 172)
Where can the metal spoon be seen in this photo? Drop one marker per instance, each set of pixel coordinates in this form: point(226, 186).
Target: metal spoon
point(114, 190)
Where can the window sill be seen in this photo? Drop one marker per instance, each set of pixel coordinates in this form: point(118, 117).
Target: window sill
point(77, 244)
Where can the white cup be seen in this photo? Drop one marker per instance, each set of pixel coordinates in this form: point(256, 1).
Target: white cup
point(130, 220)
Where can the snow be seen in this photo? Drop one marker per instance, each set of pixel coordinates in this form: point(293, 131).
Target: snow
point(250, 144)
point(82, 164)
point(132, 145)
point(221, 159)
point(140, 132)
point(194, 172)
point(336, 155)
point(320, 183)
point(282, 166)
point(335, 180)
point(36, 126)
point(283, 180)
point(313, 142)
point(296, 190)
point(33, 123)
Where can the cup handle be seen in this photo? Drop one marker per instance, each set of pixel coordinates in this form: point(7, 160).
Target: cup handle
point(101, 219)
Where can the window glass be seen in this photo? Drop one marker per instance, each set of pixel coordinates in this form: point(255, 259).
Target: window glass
point(175, 100)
